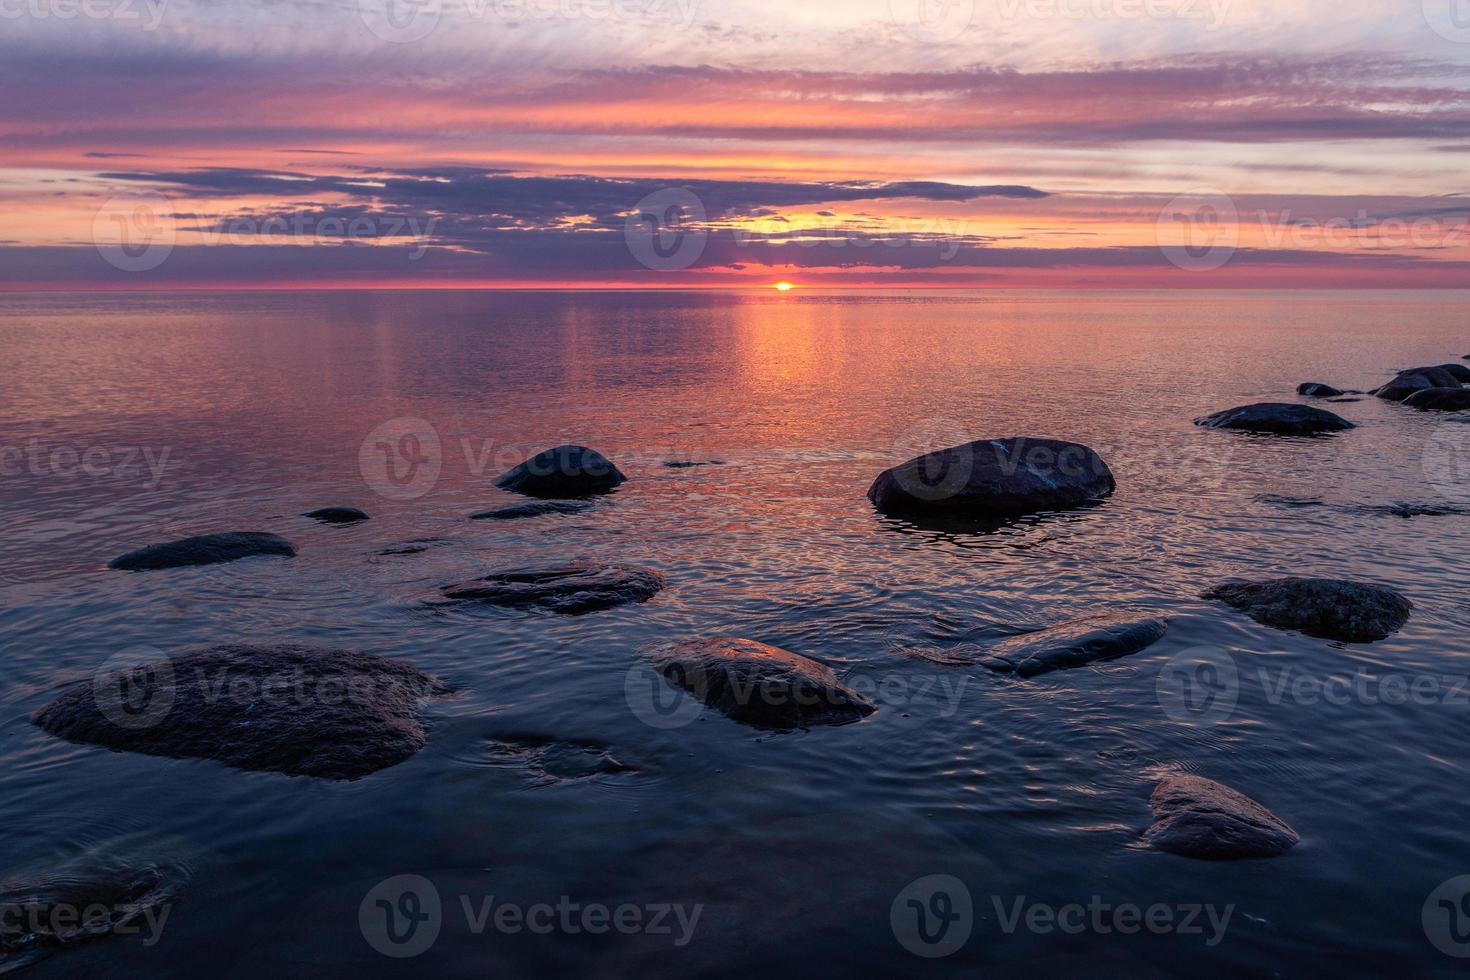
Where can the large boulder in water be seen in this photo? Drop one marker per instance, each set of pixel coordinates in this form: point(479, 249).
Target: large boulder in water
point(994, 478)
point(1200, 818)
point(564, 472)
point(206, 549)
point(1085, 640)
point(760, 685)
point(289, 708)
point(1440, 399)
point(1277, 418)
point(1313, 389)
point(1334, 610)
point(1416, 379)
point(570, 589)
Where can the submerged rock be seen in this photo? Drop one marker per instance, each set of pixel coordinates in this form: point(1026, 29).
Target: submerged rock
point(760, 685)
point(206, 549)
point(1416, 379)
point(571, 589)
point(1200, 818)
point(1440, 399)
point(1325, 608)
point(539, 509)
point(1101, 636)
point(288, 708)
point(1278, 418)
point(994, 478)
point(337, 515)
point(544, 759)
point(1313, 389)
point(564, 472)
point(684, 464)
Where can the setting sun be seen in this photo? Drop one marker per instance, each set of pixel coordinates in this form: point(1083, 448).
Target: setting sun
point(785, 287)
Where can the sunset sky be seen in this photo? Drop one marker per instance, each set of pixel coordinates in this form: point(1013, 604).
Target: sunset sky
point(1036, 143)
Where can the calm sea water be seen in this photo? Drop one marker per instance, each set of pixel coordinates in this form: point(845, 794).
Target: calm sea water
point(131, 419)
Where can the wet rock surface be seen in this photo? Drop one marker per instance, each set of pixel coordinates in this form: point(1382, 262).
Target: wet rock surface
point(570, 589)
point(1459, 372)
point(205, 549)
point(994, 478)
point(1331, 609)
point(1200, 818)
point(546, 760)
point(1313, 389)
point(1277, 418)
point(760, 685)
point(540, 508)
point(288, 708)
point(1416, 379)
point(337, 515)
point(1440, 399)
point(564, 472)
point(1075, 643)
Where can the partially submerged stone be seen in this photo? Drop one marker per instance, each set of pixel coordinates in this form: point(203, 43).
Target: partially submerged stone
point(994, 478)
point(540, 508)
point(1354, 612)
point(1440, 399)
point(1416, 379)
point(574, 588)
point(288, 707)
point(760, 685)
point(1459, 372)
point(1085, 640)
point(337, 515)
point(1200, 818)
point(565, 472)
point(205, 549)
point(1276, 418)
point(1313, 389)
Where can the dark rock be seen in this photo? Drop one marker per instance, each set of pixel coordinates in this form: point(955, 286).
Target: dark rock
point(1416, 379)
point(539, 509)
point(684, 464)
point(1440, 399)
point(994, 478)
point(289, 708)
point(546, 760)
point(759, 685)
point(565, 472)
point(1459, 372)
point(1343, 401)
point(206, 549)
point(1314, 390)
point(1408, 510)
point(1278, 418)
point(570, 589)
point(415, 547)
point(1101, 636)
point(1326, 608)
point(337, 515)
point(1200, 818)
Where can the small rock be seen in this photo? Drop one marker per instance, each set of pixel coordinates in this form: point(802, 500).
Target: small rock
point(288, 708)
point(1313, 389)
point(565, 472)
point(1343, 401)
point(1101, 636)
point(415, 547)
point(206, 549)
point(684, 464)
point(1277, 418)
point(541, 508)
point(1440, 399)
point(1416, 379)
point(570, 589)
point(337, 515)
point(994, 478)
point(760, 685)
point(1200, 818)
point(1334, 610)
point(546, 760)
